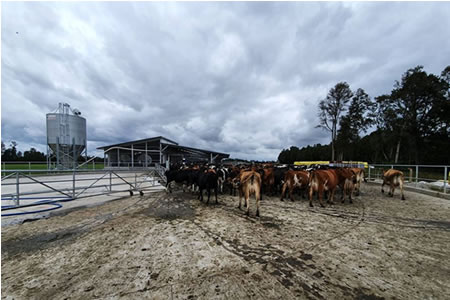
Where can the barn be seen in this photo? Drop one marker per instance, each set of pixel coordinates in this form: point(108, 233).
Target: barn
point(156, 150)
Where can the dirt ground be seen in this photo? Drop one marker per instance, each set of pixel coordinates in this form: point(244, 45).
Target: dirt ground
point(171, 246)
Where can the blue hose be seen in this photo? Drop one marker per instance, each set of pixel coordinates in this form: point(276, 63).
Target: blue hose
point(54, 204)
point(43, 202)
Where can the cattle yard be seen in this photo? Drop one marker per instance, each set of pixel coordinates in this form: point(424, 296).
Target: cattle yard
point(172, 246)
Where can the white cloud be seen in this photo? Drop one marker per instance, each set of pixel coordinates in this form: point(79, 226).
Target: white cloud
point(243, 78)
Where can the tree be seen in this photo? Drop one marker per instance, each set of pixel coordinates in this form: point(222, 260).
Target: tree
point(360, 116)
point(33, 155)
point(417, 99)
point(3, 148)
point(331, 108)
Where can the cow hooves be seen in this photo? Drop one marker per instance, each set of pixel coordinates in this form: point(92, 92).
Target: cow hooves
point(322, 205)
point(382, 191)
point(257, 213)
point(281, 199)
point(310, 205)
point(343, 200)
point(131, 193)
point(351, 201)
point(247, 213)
point(403, 198)
point(141, 193)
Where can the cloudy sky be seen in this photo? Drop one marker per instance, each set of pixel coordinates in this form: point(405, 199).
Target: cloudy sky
point(240, 78)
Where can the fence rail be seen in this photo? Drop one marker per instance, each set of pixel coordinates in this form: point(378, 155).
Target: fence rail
point(20, 186)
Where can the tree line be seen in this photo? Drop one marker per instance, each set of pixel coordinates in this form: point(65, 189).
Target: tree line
point(409, 125)
point(12, 154)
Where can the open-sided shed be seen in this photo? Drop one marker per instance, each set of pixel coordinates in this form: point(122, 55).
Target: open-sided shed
point(157, 150)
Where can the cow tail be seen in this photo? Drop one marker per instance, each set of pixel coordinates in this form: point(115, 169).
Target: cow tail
point(251, 179)
point(310, 178)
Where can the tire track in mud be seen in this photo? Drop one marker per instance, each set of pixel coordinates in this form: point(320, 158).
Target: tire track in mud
point(297, 273)
point(376, 218)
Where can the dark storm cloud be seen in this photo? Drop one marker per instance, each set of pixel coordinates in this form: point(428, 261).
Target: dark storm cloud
point(243, 78)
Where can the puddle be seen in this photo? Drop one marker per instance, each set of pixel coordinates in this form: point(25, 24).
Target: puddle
point(169, 209)
point(40, 241)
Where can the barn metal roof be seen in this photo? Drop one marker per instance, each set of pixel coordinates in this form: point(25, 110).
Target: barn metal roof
point(138, 142)
point(161, 139)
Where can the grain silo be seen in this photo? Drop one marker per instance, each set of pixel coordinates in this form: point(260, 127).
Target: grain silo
point(66, 137)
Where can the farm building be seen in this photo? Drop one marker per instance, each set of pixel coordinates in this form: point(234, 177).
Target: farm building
point(156, 150)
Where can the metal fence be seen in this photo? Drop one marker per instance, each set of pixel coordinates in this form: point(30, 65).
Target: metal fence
point(52, 186)
point(43, 166)
point(427, 177)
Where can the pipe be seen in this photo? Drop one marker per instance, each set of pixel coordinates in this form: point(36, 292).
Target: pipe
point(43, 202)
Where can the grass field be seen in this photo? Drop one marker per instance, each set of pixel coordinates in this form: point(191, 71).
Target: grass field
point(40, 166)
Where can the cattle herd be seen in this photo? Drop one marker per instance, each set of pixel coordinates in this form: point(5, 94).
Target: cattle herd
point(274, 179)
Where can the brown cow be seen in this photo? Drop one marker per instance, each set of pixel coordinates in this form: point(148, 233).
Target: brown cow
point(320, 181)
point(394, 178)
point(268, 180)
point(249, 183)
point(293, 180)
point(360, 177)
point(346, 181)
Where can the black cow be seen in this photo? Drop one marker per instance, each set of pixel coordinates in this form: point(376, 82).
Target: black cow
point(207, 180)
point(279, 173)
point(179, 176)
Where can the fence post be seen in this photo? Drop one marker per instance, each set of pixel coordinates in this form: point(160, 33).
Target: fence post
point(93, 164)
point(445, 179)
point(17, 189)
point(73, 185)
point(29, 168)
point(369, 172)
point(110, 181)
point(417, 175)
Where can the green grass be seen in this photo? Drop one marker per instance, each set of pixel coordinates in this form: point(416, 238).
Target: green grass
point(26, 166)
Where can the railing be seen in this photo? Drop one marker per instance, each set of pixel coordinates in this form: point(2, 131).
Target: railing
point(43, 167)
point(427, 177)
point(18, 186)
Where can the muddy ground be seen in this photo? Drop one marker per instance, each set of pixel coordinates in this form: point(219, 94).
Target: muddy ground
point(171, 246)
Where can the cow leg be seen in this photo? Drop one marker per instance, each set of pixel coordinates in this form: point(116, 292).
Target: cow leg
point(310, 196)
point(331, 196)
point(283, 190)
point(209, 195)
point(391, 192)
point(401, 189)
point(240, 199)
point(291, 189)
point(320, 196)
point(215, 193)
point(247, 198)
point(257, 204)
point(382, 185)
